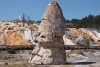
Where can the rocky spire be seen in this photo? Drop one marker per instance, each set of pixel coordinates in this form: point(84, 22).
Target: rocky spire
point(50, 49)
point(53, 23)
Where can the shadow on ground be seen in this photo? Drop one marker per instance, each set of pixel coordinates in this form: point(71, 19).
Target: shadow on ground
point(79, 63)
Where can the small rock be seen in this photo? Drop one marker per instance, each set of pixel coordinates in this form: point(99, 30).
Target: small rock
point(81, 40)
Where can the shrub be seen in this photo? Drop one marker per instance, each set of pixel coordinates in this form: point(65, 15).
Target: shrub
point(11, 51)
point(6, 63)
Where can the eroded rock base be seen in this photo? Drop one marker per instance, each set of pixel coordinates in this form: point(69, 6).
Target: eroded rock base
point(46, 55)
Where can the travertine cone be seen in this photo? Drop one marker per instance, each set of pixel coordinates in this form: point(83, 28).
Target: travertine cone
point(50, 49)
point(53, 23)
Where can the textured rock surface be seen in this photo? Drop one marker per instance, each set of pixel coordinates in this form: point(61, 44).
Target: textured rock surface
point(53, 23)
point(85, 36)
point(50, 49)
point(13, 34)
point(81, 40)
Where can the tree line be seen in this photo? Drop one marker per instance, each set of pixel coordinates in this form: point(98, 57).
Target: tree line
point(89, 21)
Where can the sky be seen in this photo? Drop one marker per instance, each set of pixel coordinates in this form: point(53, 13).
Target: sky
point(13, 9)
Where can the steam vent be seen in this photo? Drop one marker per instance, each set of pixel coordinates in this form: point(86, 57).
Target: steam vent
point(50, 49)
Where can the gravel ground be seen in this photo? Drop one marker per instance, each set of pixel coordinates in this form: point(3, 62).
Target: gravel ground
point(84, 58)
point(75, 58)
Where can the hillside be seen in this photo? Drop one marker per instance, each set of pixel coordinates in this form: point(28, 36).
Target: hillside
point(15, 34)
point(82, 36)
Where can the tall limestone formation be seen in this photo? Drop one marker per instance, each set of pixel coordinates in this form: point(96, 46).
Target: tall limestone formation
point(50, 49)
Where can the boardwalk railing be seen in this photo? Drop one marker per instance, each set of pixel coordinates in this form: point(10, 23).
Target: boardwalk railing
point(77, 47)
point(21, 47)
point(67, 47)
